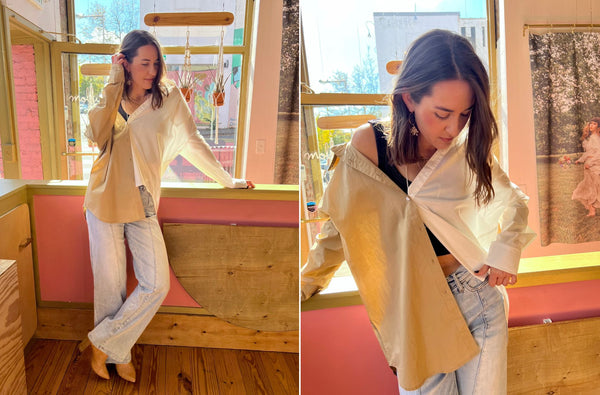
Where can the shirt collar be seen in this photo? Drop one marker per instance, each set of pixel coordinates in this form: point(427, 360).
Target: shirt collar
point(354, 159)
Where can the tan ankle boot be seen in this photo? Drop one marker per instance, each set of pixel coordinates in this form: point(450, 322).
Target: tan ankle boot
point(99, 363)
point(126, 371)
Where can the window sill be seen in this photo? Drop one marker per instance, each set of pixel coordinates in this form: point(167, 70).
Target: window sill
point(342, 291)
point(14, 192)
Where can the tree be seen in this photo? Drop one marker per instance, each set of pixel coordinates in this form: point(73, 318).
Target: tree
point(109, 25)
point(565, 70)
point(122, 17)
point(363, 79)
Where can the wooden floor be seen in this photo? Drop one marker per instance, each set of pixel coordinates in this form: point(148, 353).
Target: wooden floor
point(58, 367)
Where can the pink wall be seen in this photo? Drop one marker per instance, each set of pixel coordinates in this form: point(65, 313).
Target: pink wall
point(62, 240)
point(28, 121)
point(341, 355)
point(265, 96)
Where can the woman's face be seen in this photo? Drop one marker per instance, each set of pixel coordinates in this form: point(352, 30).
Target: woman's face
point(442, 115)
point(143, 67)
point(593, 127)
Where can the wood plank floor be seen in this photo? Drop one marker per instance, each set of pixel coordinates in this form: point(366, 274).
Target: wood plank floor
point(58, 367)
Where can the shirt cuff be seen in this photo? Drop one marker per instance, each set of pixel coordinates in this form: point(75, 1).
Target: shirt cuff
point(239, 183)
point(504, 257)
point(116, 73)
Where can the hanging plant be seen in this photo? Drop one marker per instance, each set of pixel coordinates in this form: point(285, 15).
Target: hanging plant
point(187, 93)
point(187, 79)
point(218, 98)
point(220, 79)
point(219, 90)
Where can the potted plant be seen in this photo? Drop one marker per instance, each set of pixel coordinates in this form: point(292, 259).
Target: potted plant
point(187, 82)
point(219, 92)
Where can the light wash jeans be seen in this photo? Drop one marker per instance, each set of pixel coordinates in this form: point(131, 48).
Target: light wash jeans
point(118, 321)
point(482, 307)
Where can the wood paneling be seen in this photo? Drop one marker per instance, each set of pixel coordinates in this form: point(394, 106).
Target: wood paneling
point(12, 363)
point(245, 275)
point(15, 243)
point(557, 358)
point(55, 366)
point(170, 329)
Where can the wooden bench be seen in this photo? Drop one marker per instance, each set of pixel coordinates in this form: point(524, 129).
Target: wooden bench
point(556, 358)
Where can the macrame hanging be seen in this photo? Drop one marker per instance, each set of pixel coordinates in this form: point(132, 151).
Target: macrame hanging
point(197, 19)
point(218, 94)
point(186, 77)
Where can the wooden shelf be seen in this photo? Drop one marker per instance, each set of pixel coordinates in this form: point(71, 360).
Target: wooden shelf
point(188, 19)
point(95, 68)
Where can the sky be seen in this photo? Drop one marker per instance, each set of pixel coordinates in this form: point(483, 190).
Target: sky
point(336, 32)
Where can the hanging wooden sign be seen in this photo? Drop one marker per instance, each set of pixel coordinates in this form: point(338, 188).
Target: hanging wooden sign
point(95, 68)
point(188, 19)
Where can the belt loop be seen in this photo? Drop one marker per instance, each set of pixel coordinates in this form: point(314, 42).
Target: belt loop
point(458, 283)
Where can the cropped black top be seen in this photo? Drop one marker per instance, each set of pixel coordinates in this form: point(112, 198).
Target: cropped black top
point(392, 172)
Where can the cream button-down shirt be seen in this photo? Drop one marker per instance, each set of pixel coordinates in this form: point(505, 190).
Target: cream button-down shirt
point(138, 151)
point(379, 231)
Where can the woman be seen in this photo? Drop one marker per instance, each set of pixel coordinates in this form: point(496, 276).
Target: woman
point(140, 125)
point(588, 190)
point(433, 293)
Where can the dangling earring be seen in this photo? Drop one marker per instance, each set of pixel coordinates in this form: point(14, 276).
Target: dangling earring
point(413, 124)
point(128, 81)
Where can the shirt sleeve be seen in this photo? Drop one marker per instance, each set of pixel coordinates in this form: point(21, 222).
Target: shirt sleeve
point(324, 259)
point(198, 152)
point(102, 116)
point(514, 235)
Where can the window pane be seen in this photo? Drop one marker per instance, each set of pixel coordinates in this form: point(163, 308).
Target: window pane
point(317, 155)
point(218, 127)
point(221, 135)
point(81, 92)
point(108, 21)
point(348, 54)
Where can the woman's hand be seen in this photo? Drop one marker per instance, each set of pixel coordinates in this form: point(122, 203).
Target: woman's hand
point(250, 184)
point(118, 58)
point(497, 276)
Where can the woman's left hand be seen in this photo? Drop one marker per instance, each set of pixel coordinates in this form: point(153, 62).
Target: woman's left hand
point(497, 276)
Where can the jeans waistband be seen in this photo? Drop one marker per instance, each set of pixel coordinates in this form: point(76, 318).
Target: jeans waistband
point(462, 278)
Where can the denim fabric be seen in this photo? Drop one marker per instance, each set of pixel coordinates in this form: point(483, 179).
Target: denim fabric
point(119, 321)
point(482, 307)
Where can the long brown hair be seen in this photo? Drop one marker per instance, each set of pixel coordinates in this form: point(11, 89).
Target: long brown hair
point(129, 47)
point(586, 129)
point(436, 56)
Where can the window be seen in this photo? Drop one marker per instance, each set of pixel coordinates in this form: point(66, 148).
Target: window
point(344, 72)
point(106, 23)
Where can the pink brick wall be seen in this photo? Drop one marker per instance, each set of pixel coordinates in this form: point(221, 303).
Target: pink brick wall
point(28, 121)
